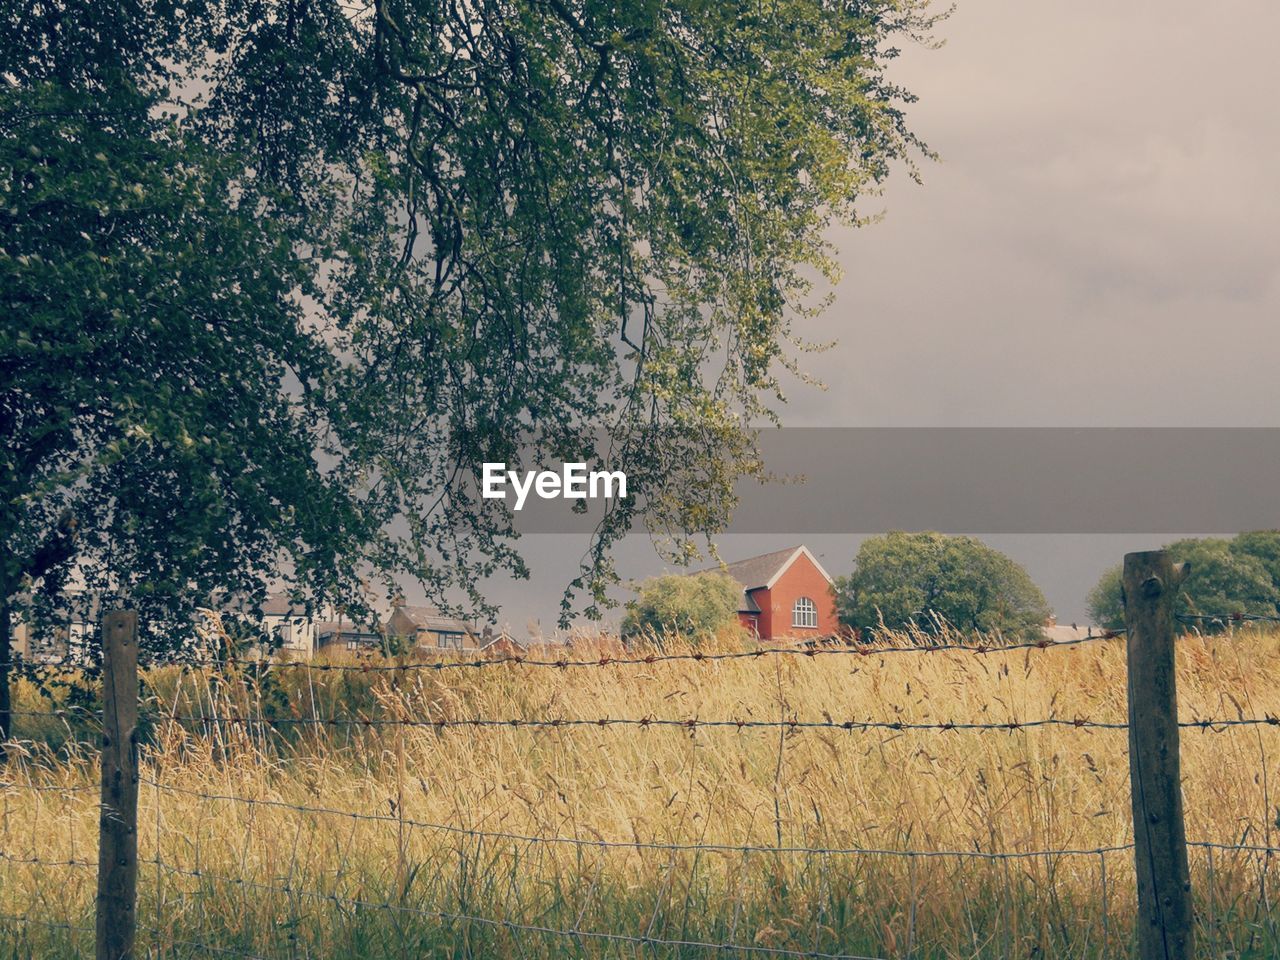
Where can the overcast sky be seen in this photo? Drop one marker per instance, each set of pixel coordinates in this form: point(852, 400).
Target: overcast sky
point(1097, 247)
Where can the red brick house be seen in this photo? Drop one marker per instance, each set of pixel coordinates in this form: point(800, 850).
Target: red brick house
point(786, 595)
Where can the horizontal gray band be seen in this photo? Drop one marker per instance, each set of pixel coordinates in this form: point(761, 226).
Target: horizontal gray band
point(995, 480)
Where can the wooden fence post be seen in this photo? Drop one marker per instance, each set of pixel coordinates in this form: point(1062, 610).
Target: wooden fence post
point(118, 823)
point(1165, 917)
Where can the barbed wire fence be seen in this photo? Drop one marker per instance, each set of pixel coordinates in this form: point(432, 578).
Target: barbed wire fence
point(1158, 851)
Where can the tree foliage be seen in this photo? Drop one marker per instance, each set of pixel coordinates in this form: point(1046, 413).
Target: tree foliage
point(279, 276)
point(691, 606)
point(153, 322)
point(1240, 575)
point(931, 580)
point(1105, 602)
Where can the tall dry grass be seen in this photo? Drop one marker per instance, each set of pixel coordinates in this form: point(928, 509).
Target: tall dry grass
point(456, 849)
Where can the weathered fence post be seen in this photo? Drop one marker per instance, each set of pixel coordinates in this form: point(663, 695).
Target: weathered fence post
point(1165, 918)
point(118, 823)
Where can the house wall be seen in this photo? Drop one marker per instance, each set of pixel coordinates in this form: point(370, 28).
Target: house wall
point(302, 638)
point(53, 641)
point(430, 640)
point(426, 638)
point(330, 642)
point(297, 634)
point(20, 640)
point(399, 625)
point(801, 579)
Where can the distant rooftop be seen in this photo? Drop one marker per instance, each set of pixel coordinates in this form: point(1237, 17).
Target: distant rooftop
point(430, 618)
point(755, 573)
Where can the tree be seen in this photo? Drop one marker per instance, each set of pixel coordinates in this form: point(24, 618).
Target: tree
point(691, 606)
point(278, 277)
point(150, 448)
point(928, 580)
point(1227, 576)
point(1264, 545)
point(1105, 601)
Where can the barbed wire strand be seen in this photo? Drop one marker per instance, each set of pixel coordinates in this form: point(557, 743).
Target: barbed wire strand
point(65, 713)
point(48, 787)
point(1100, 852)
point(690, 723)
point(1224, 618)
point(40, 861)
point(647, 941)
point(1215, 724)
point(480, 834)
point(687, 723)
point(694, 723)
point(198, 944)
point(54, 924)
point(1234, 847)
point(863, 650)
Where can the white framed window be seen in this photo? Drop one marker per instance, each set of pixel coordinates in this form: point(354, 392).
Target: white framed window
point(804, 613)
point(449, 641)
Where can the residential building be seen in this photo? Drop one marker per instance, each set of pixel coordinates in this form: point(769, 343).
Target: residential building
point(335, 635)
point(286, 626)
point(432, 630)
point(61, 630)
point(295, 627)
point(1067, 632)
point(786, 595)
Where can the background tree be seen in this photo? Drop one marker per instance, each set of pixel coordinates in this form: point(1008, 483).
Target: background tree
point(692, 606)
point(927, 580)
point(278, 276)
point(1239, 575)
point(1105, 602)
point(1264, 545)
point(151, 447)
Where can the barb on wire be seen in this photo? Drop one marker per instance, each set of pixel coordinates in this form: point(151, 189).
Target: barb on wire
point(627, 844)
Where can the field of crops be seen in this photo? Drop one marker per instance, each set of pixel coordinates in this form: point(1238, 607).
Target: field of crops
point(403, 831)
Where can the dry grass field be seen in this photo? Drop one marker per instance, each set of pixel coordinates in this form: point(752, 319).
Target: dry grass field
point(654, 841)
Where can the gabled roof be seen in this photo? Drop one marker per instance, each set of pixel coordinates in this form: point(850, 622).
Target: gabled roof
point(429, 618)
point(762, 572)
